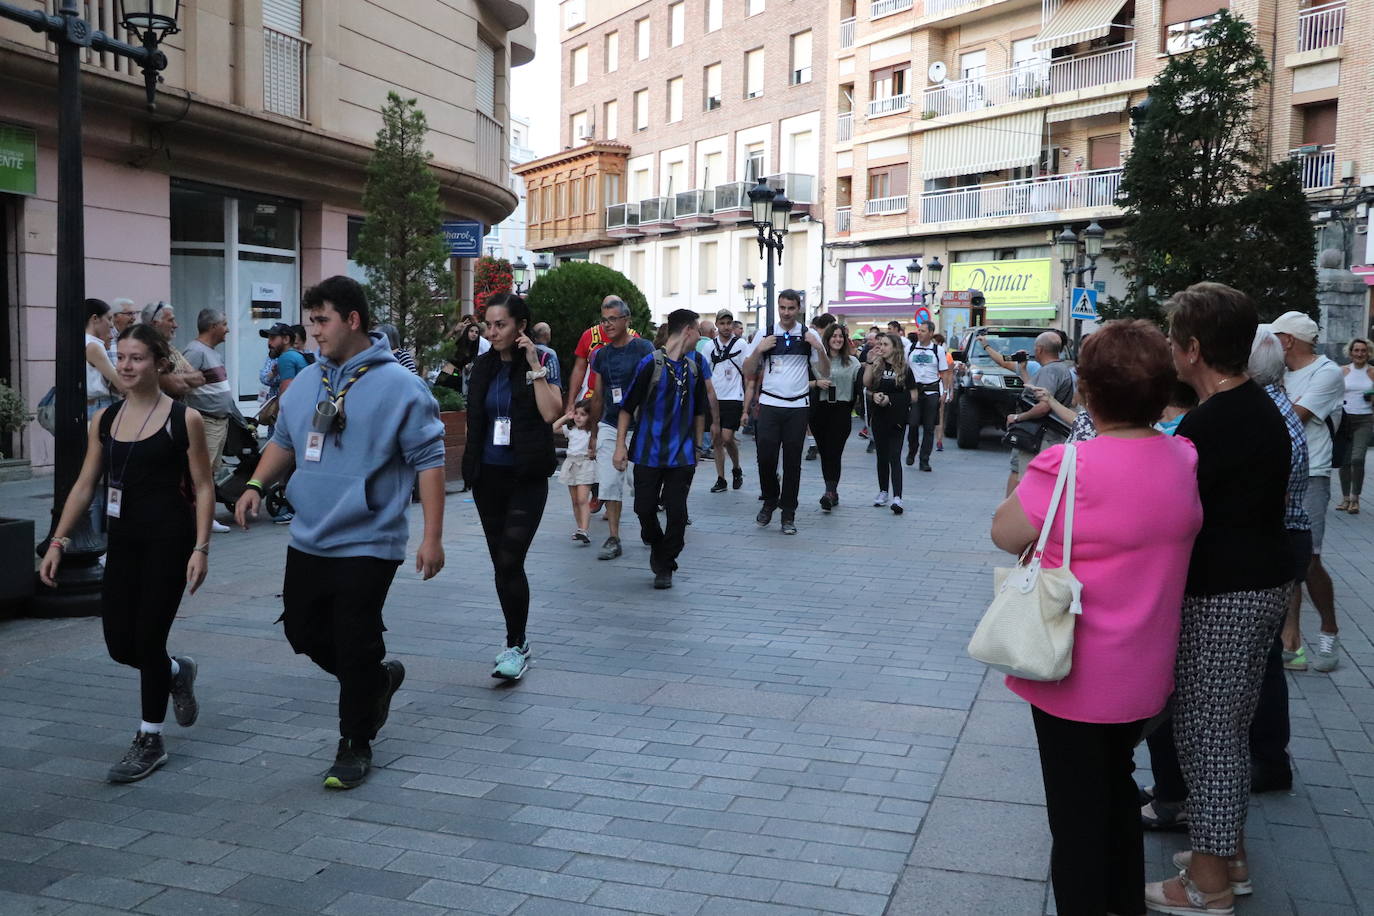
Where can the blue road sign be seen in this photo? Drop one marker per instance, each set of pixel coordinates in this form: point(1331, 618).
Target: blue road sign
point(1084, 303)
point(464, 237)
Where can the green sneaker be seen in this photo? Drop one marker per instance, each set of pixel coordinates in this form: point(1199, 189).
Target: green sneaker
point(512, 663)
point(1295, 661)
point(1327, 646)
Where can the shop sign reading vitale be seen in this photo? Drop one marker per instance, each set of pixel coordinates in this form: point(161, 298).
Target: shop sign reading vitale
point(1013, 282)
point(880, 280)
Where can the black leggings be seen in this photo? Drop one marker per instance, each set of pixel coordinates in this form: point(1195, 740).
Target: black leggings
point(831, 424)
point(888, 437)
point(144, 581)
point(510, 508)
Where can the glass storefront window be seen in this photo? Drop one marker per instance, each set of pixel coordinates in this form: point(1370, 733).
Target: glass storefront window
point(197, 215)
point(267, 223)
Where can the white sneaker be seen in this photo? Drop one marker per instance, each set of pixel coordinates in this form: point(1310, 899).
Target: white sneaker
point(896, 505)
point(217, 528)
point(1327, 646)
point(880, 499)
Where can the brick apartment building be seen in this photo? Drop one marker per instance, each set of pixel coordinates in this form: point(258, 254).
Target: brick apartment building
point(670, 112)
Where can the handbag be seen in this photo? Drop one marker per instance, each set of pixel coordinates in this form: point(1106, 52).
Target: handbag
point(1342, 441)
point(1027, 631)
point(46, 413)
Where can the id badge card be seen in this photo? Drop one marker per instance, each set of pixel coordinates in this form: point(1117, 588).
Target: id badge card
point(617, 396)
point(500, 433)
point(114, 498)
point(314, 446)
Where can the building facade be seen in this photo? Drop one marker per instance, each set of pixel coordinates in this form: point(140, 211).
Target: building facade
point(670, 112)
point(245, 185)
point(975, 131)
point(507, 239)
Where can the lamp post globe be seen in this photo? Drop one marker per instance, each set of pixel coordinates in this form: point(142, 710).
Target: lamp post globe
point(748, 293)
point(782, 213)
point(1066, 247)
point(761, 203)
point(517, 273)
point(158, 17)
point(542, 265)
point(935, 269)
point(1092, 240)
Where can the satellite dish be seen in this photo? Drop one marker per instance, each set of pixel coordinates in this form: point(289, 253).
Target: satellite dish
point(938, 71)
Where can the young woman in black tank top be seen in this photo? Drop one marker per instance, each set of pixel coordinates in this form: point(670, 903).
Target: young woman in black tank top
point(147, 458)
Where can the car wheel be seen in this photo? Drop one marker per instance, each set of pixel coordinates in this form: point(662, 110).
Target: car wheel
point(970, 426)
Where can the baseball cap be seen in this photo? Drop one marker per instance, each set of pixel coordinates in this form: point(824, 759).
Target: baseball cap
point(1296, 324)
point(724, 313)
point(280, 329)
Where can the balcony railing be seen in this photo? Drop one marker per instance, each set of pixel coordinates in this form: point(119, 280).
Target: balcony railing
point(890, 105)
point(692, 203)
point(847, 33)
point(842, 220)
point(880, 8)
point(936, 7)
point(622, 216)
point(1023, 197)
point(801, 189)
point(283, 73)
point(655, 210)
point(881, 205)
point(732, 196)
point(844, 127)
point(1316, 166)
point(1321, 26)
point(1032, 80)
point(491, 145)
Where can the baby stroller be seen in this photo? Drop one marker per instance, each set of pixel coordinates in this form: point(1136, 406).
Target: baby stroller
point(241, 456)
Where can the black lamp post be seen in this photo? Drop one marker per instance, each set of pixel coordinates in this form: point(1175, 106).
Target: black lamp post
point(749, 297)
point(925, 291)
point(150, 21)
point(542, 265)
point(1066, 248)
point(517, 274)
point(772, 213)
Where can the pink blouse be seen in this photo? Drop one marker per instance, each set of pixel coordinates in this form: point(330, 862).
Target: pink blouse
point(1136, 514)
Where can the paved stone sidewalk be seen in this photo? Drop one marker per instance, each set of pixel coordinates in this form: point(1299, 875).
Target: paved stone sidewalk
point(794, 728)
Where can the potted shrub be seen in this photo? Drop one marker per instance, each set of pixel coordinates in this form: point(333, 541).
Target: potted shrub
point(16, 535)
point(453, 410)
point(13, 418)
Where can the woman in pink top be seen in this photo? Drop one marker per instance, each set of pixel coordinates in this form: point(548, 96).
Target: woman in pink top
point(1136, 514)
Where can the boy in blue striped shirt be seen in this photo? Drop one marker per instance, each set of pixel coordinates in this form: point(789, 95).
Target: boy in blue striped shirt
point(669, 397)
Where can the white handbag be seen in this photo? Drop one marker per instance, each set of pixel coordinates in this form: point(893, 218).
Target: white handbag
point(1027, 631)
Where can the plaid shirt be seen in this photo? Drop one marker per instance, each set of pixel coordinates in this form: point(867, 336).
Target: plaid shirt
point(1295, 516)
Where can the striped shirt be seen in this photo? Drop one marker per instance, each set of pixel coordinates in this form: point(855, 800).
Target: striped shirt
point(666, 424)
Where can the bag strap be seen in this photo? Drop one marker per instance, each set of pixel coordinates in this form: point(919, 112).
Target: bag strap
point(1067, 480)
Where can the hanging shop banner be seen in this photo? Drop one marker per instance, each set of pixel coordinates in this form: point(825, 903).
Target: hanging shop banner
point(18, 160)
point(1006, 283)
point(877, 280)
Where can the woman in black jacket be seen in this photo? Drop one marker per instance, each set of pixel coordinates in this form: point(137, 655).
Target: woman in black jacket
point(889, 382)
point(509, 458)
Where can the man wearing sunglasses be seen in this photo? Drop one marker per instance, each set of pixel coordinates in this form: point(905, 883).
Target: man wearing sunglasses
point(614, 363)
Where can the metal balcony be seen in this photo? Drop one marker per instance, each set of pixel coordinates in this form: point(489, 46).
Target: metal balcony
point(844, 127)
point(842, 220)
point(881, 205)
point(890, 105)
point(1321, 26)
point(847, 33)
point(1317, 166)
point(1047, 194)
point(1031, 80)
point(656, 215)
point(732, 203)
point(880, 8)
point(692, 209)
point(622, 221)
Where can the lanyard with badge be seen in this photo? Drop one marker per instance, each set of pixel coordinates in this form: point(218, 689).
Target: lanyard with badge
point(114, 493)
point(500, 430)
point(329, 415)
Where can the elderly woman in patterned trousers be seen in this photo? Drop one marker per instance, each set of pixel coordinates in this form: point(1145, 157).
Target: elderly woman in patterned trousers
point(1237, 589)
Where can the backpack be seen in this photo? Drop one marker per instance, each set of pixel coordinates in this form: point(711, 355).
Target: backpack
point(660, 356)
point(801, 348)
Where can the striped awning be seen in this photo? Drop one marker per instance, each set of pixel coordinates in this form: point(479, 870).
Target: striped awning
point(1078, 20)
point(1111, 105)
point(984, 146)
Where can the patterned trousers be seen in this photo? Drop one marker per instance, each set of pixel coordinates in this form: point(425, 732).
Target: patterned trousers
point(1221, 653)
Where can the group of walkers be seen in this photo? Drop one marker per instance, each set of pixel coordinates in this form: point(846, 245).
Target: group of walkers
point(1191, 538)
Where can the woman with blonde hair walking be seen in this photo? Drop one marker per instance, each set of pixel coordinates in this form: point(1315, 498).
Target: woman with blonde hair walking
point(1358, 420)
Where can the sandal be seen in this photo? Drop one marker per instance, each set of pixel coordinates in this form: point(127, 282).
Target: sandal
point(1161, 815)
point(1180, 896)
point(1354, 507)
point(1237, 872)
point(1343, 505)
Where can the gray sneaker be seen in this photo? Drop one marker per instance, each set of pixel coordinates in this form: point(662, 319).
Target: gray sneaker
point(184, 705)
point(144, 755)
point(610, 550)
point(1328, 644)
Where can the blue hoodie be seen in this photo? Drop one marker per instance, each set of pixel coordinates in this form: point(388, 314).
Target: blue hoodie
point(352, 502)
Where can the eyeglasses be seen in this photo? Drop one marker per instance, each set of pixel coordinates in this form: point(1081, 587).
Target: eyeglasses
point(611, 319)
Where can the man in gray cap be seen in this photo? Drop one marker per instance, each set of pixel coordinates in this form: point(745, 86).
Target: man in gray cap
point(1317, 389)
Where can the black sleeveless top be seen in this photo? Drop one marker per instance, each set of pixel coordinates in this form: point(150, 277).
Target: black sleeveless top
point(154, 475)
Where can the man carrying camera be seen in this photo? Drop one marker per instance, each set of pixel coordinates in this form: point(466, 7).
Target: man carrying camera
point(929, 369)
point(786, 354)
point(1055, 377)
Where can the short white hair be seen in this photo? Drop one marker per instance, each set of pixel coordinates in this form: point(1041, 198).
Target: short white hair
point(1266, 364)
point(152, 310)
point(1050, 342)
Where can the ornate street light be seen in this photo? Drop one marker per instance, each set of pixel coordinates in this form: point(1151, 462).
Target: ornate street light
point(761, 202)
point(1066, 248)
point(772, 215)
point(517, 274)
point(748, 293)
point(542, 265)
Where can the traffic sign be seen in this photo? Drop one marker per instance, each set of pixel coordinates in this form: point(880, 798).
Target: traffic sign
point(1084, 303)
point(464, 237)
point(922, 314)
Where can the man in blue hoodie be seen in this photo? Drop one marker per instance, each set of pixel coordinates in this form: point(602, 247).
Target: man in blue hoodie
point(358, 428)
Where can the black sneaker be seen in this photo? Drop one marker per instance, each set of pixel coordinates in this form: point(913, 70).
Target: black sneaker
point(811, 453)
point(826, 502)
point(910, 458)
point(765, 516)
point(663, 580)
point(789, 525)
point(144, 755)
point(395, 675)
point(721, 486)
point(925, 465)
point(738, 478)
point(184, 705)
point(351, 764)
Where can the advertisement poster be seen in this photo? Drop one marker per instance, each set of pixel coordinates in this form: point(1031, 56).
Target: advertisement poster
point(880, 281)
point(1006, 283)
point(266, 301)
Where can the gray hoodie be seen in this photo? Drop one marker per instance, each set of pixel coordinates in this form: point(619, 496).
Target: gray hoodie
point(352, 502)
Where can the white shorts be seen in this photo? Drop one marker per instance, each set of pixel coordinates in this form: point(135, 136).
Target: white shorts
point(579, 471)
point(611, 483)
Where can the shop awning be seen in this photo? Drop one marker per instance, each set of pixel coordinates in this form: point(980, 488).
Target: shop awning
point(1078, 20)
point(1112, 105)
point(983, 146)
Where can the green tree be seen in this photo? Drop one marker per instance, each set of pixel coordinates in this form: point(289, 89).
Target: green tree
point(569, 299)
point(401, 244)
point(1201, 202)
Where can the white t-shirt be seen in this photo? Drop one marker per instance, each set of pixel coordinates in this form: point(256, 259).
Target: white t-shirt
point(786, 382)
point(926, 361)
point(1357, 382)
point(728, 374)
point(95, 382)
point(1320, 388)
point(579, 440)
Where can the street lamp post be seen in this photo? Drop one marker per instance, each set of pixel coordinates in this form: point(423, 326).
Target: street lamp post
point(923, 291)
point(151, 21)
point(772, 213)
point(517, 275)
point(1066, 248)
point(749, 298)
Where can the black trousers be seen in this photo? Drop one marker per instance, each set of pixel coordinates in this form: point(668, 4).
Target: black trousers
point(888, 439)
point(671, 485)
point(333, 614)
point(831, 424)
point(925, 411)
point(781, 429)
point(1097, 862)
point(144, 581)
point(1269, 733)
point(510, 509)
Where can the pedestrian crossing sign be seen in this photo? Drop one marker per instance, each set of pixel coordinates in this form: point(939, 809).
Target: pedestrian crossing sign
point(1084, 303)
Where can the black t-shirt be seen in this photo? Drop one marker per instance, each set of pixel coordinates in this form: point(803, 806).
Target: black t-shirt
point(1243, 452)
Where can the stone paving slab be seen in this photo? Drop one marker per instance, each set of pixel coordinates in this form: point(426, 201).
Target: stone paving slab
point(793, 729)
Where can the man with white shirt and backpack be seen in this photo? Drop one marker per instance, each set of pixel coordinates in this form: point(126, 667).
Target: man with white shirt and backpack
point(929, 370)
point(786, 353)
point(726, 355)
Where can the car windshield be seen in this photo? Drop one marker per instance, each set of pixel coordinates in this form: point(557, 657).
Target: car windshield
point(1006, 344)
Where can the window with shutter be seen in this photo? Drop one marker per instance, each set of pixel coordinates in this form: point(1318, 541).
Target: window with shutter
point(801, 58)
point(282, 15)
point(610, 120)
point(641, 109)
point(579, 65)
point(753, 70)
point(674, 99)
point(486, 79)
point(712, 83)
point(642, 38)
point(612, 52)
point(713, 15)
point(677, 23)
point(283, 58)
point(706, 261)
